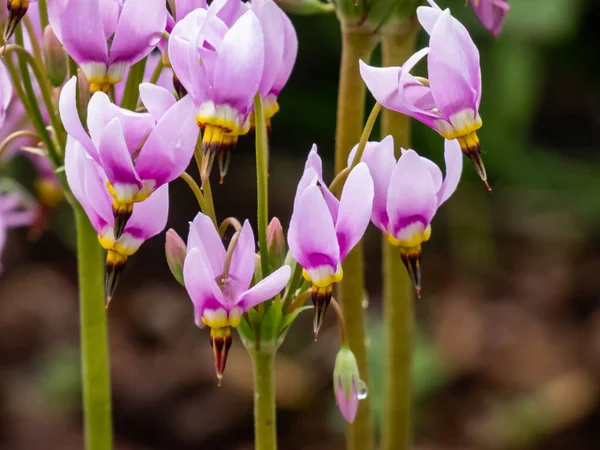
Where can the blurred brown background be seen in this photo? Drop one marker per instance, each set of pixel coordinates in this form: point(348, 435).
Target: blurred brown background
point(508, 355)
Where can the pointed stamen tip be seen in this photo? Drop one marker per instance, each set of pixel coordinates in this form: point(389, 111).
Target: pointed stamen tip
point(489, 188)
point(418, 289)
point(219, 380)
point(221, 179)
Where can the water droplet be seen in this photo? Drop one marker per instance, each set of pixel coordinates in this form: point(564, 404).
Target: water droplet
point(362, 391)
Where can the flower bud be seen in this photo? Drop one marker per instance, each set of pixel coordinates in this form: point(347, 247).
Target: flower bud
point(305, 7)
point(83, 92)
point(275, 242)
point(176, 251)
point(348, 386)
point(55, 58)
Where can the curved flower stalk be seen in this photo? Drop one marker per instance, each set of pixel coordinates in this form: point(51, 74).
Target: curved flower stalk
point(16, 11)
point(89, 186)
point(218, 282)
point(280, 54)
point(139, 152)
point(324, 229)
point(105, 37)
point(218, 57)
point(14, 212)
point(408, 193)
point(491, 14)
point(449, 101)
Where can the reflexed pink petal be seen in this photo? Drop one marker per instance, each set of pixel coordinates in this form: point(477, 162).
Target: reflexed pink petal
point(312, 231)
point(428, 16)
point(379, 156)
point(110, 11)
point(184, 7)
point(139, 29)
point(156, 99)
point(411, 195)
point(55, 11)
point(100, 112)
point(227, 10)
point(290, 52)
point(67, 105)
point(166, 154)
point(149, 217)
point(491, 14)
point(200, 281)
point(382, 82)
point(265, 289)
point(6, 92)
point(115, 157)
point(204, 235)
point(454, 164)
point(240, 63)
point(242, 261)
point(82, 31)
point(435, 172)
point(269, 15)
point(136, 126)
point(356, 205)
point(453, 64)
point(312, 167)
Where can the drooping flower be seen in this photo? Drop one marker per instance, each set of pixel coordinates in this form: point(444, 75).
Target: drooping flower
point(491, 14)
point(104, 37)
point(139, 152)
point(14, 212)
point(16, 11)
point(218, 282)
point(218, 57)
point(408, 193)
point(346, 383)
point(280, 54)
point(323, 230)
point(449, 101)
point(88, 183)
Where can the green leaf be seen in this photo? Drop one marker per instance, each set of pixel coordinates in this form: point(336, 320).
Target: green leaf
point(288, 319)
point(271, 323)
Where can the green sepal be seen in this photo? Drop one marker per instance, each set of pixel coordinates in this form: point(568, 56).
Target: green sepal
point(288, 319)
point(271, 322)
point(245, 330)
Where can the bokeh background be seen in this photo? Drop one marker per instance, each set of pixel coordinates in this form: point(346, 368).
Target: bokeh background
point(508, 350)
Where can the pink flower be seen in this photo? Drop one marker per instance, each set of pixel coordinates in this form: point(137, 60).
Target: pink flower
point(88, 182)
point(105, 37)
point(449, 101)
point(491, 14)
point(139, 152)
point(323, 230)
point(220, 289)
point(407, 194)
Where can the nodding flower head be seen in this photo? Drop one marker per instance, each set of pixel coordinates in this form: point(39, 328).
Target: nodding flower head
point(89, 184)
point(105, 37)
point(448, 101)
point(491, 14)
point(408, 193)
point(323, 230)
point(218, 282)
point(138, 152)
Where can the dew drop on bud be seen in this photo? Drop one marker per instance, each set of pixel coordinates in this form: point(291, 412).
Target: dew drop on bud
point(362, 391)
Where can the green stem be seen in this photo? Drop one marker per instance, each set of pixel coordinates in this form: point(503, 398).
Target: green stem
point(206, 193)
point(398, 311)
point(157, 71)
point(132, 87)
point(351, 290)
point(265, 425)
point(94, 342)
point(262, 170)
point(17, 135)
point(43, 13)
point(37, 51)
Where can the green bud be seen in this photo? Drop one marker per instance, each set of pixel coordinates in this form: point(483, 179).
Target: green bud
point(55, 57)
point(305, 7)
point(275, 242)
point(176, 252)
point(348, 386)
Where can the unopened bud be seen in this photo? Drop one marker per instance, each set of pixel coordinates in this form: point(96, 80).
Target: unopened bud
point(348, 386)
point(176, 251)
point(55, 58)
point(305, 7)
point(275, 242)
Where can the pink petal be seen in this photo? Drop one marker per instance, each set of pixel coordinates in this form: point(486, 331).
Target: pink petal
point(269, 16)
point(239, 67)
point(265, 289)
point(139, 29)
point(200, 282)
point(110, 12)
point(6, 92)
point(55, 11)
point(204, 235)
point(428, 16)
point(184, 7)
point(100, 112)
point(348, 406)
point(67, 106)
point(156, 99)
point(166, 154)
point(356, 205)
point(382, 82)
point(311, 236)
point(149, 217)
point(82, 31)
point(411, 195)
point(290, 52)
point(242, 261)
point(114, 156)
point(454, 164)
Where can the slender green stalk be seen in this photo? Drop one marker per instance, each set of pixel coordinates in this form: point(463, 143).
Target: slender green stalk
point(94, 342)
point(262, 170)
point(196, 190)
point(206, 191)
point(35, 45)
point(42, 5)
point(265, 425)
point(351, 290)
point(398, 312)
point(17, 135)
point(132, 87)
point(157, 71)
